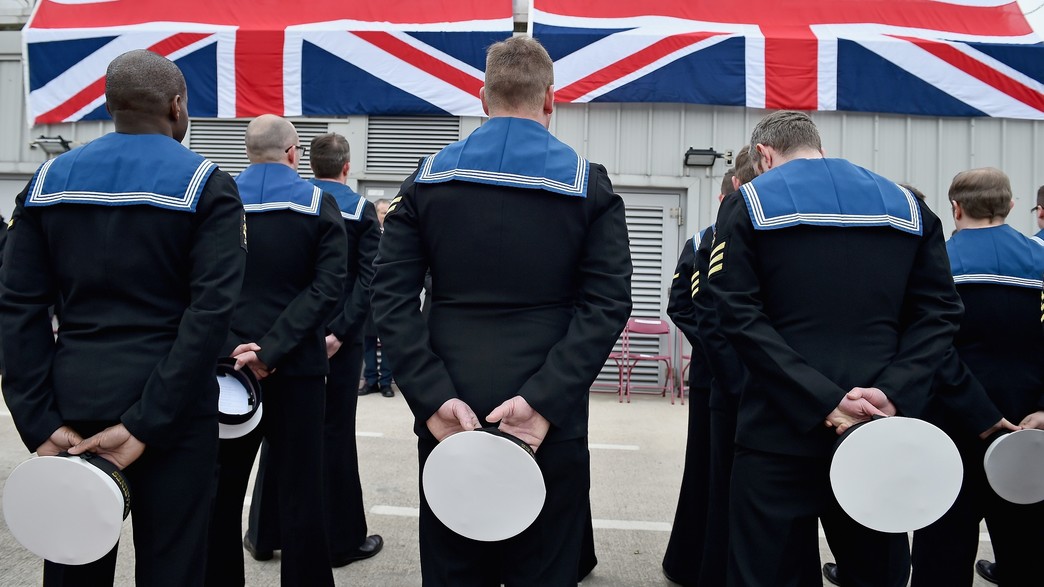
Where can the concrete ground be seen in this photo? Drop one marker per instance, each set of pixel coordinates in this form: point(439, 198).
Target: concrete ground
point(637, 451)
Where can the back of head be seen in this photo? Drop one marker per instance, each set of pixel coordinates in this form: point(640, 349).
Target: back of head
point(268, 137)
point(786, 131)
point(518, 73)
point(142, 82)
point(983, 193)
point(1040, 196)
point(330, 152)
point(726, 182)
point(744, 169)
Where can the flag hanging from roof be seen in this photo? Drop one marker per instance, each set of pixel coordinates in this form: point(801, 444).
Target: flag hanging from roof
point(929, 57)
point(242, 58)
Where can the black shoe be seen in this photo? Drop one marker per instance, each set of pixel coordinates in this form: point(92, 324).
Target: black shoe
point(987, 570)
point(371, 546)
point(387, 391)
point(830, 572)
point(258, 555)
point(369, 388)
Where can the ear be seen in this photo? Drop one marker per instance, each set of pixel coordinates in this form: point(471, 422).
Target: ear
point(956, 208)
point(482, 98)
point(1011, 206)
point(765, 156)
point(721, 197)
point(346, 167)
point(735, 184)
point(549, 100)
point(176, 108)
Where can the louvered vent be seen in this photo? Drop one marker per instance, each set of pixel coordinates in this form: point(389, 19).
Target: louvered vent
point(221, 141)
point(394, 144)
point(645, 228)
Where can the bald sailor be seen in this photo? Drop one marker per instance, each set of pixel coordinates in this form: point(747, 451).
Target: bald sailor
point(296, 267)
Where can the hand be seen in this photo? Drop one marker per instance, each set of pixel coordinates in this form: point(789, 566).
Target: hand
point(453, 416)
point(1003, 424)
point(246, 356)
point(115, 443)
point(519, 419)
point(855, 408)
point(1034, 420)
point(876, 397)
point(333, 344)
point(61, 439)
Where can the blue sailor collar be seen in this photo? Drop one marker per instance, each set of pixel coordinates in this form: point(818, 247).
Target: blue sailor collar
point(350, 202)
point(120, 169)
point(515, 152)
point(997, 254)
point(1040, 234)
point(829, 192)
point(267, 187)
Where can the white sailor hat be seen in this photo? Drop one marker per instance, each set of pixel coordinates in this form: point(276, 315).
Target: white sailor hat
point(484, 484)
point(895, 474)
point(1014, 466)
point(67, 509)
point(239, 400)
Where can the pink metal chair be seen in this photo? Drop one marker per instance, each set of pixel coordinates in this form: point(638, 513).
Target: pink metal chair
point(649, 329)
point(618, 387)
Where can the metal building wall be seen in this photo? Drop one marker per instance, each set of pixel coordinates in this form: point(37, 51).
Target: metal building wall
point(642, 146)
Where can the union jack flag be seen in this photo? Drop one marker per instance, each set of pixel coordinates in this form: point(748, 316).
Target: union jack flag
point(929, 57)
point(242, 58)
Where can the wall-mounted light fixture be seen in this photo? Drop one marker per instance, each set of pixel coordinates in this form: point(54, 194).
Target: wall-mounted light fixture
point(701, 157)
point(55, 145)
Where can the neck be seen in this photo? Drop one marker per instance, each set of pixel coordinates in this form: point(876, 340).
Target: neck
point(136, 123)
point(807, 153)
point(972, 223)
point(540, 117)
point(339, 179)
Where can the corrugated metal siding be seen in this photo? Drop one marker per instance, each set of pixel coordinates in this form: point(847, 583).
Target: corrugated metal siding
point(645, 143)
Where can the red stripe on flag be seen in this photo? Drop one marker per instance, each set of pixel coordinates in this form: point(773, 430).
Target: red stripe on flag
point(92, 92)
point(982, 72)
point(421, 60)
point(629, 65)
point(791, 68)
point(259, 73)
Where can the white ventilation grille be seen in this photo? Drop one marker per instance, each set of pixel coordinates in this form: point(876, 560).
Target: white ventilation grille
point(221, 141)
point(394, 144)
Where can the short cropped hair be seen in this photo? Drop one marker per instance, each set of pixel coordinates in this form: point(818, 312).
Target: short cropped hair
point(330, 152)
point(726, 183)
point(142, 81)
point(983, 193)
point(744, 169)
point(518, 73)
point(916, 192)
point(785, 131)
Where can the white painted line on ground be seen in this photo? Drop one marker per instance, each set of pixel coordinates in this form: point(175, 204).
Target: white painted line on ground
point(598, 446)
point(390, 510)
point(631, 525)
point(369, 434)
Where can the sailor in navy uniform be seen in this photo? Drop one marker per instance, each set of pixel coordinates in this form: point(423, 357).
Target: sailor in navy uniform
point(729, 377)
point(295, 274)
point(1038, 212)
point(832, 283)
point(346, 519)
point(342, 491)
point(140, 239)
point(690, 517)
point(998, 273)
point(530, 269)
